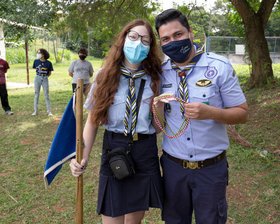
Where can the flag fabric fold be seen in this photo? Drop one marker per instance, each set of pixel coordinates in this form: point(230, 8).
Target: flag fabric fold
point(63, 146)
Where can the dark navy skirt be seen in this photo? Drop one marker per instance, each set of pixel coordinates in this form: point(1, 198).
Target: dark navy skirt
point(135, 193)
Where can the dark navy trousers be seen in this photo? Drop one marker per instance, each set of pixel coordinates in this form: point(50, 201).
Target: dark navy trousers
point(200, 190)
point(4, 97)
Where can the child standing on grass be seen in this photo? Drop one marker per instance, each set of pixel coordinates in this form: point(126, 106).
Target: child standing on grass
point(43, 71)
point(4, 66)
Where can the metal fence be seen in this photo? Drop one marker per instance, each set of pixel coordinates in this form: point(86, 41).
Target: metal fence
point(236, 45)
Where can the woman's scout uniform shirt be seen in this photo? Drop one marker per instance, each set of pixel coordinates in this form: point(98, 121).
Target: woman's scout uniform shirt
point(117, 109)
point(213, 81)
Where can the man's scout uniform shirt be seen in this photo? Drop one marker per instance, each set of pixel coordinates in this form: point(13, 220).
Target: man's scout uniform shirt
point(212, 81)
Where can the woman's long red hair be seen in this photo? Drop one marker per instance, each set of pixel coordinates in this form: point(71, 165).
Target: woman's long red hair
point(107, 80)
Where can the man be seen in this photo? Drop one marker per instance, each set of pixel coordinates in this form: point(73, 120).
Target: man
point(4, 66)
point(81, 68)
point(194, 165)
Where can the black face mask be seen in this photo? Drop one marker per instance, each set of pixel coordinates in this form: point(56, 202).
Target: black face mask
point(82, 57)
point(179, 51)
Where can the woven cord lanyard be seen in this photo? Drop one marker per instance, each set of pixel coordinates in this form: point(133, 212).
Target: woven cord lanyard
point(161, 122)
point(131, 100)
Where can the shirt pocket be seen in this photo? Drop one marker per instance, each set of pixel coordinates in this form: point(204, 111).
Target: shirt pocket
point(144, 110)
point(172, 109)
point(202, 94)
point(117, 111)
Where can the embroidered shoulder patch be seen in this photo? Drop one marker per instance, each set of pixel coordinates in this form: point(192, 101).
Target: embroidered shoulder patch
point(211, 72)
point(233, 73)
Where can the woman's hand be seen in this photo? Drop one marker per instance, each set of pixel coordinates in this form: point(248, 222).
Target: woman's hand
point(76, 168)
point(169, 97)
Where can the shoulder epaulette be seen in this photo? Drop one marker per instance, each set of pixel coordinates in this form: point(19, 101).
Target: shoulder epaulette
point(218, 57)
point(163, 62)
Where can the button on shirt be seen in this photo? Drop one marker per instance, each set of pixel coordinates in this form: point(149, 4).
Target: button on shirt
point(202, 139)
point(117, 109)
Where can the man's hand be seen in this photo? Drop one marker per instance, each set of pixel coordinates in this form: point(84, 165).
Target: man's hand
point(199, 111)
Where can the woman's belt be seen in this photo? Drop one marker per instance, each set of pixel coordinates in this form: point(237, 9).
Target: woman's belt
point(136, 137)
point(198, 164)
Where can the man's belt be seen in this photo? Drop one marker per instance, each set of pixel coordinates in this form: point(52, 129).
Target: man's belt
point(198, 164)
point(42, 75)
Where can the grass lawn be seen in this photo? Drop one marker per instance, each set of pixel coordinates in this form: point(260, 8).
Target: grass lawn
point(253, 191)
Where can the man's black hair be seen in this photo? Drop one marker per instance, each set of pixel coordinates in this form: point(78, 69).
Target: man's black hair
point(170, 15)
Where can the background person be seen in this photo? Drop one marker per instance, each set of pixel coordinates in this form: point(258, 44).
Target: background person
point(4, 66)
point(81, 68)
point(132, 57)
point(195, 169)
point(44, 69)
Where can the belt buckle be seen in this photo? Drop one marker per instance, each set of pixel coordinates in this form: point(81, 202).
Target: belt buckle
point(193, 165)
point(135, 137)
point(190, 165)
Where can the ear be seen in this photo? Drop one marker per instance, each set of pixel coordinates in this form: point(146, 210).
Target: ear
point(191, 33)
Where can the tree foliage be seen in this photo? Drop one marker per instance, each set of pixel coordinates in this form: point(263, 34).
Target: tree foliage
point(100, 20)
point(30, 12)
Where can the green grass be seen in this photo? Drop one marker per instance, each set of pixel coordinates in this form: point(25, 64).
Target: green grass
point(253, 191)
point(18, 72)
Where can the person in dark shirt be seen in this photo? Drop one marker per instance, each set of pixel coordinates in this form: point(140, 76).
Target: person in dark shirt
point(4, 66)
point(43, 71)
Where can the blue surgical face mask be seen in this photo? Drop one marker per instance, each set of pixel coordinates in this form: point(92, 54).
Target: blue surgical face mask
point(179, 51)
point(135, 51)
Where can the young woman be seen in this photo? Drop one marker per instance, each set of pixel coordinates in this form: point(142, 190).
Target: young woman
point(132, 57)
point(81, 68)
point(43, 71)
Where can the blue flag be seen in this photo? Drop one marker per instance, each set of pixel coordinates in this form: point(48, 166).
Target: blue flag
point(63, 146)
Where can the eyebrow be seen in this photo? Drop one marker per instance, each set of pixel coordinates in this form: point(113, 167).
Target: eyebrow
point(175, 32)
point(146, 35)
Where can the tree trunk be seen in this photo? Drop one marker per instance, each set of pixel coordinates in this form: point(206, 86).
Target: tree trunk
point(54, 51)
point(254, 24)
point(259, 53)
point(62, 54)
point(26, 56)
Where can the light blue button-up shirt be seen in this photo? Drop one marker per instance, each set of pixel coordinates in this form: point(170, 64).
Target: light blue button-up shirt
point(117, 110)
point(202, 139)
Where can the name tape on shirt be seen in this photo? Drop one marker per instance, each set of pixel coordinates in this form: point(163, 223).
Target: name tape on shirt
point(169, 85)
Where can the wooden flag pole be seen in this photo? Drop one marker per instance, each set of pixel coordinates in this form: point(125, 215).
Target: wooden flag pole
point(79, 149)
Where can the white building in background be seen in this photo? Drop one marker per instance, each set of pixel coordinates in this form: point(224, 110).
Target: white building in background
point(2, 42)
point(2, 38)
